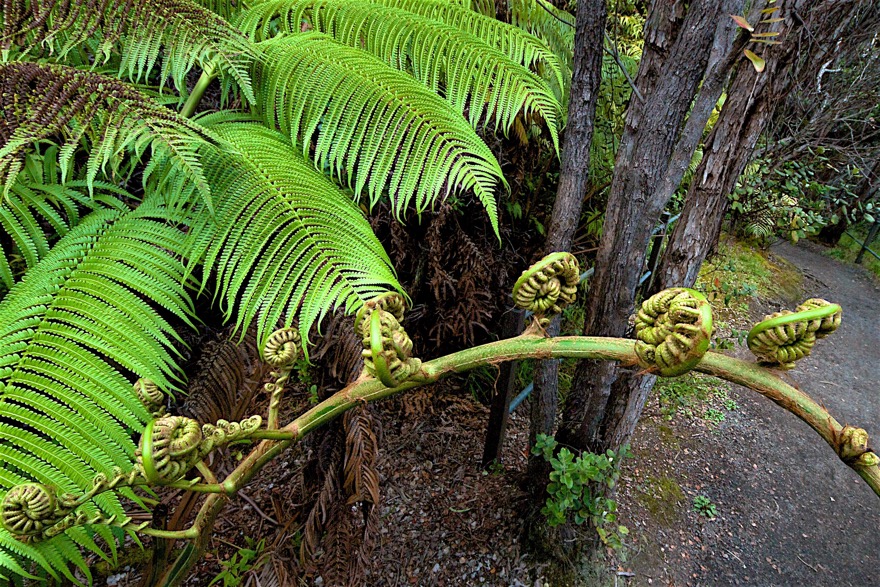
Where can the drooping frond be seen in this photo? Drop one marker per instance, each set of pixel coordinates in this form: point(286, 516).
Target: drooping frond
point(73, 333)
point(40, 207)
point(519, 45)
point(40, 101)
point(550, 24)
point(181, 32)
point(475, 78)
point(375, 128)
point(276, 242)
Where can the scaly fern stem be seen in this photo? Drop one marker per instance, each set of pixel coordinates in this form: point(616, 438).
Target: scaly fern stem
point(526, 346)
point(189, 107)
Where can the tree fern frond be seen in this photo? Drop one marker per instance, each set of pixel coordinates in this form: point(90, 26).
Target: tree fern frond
point(180, 31)
point(73, 333)
point(519, 45)
point(373, 127)
point(550, 24)
point(40, 101)
point(473, 77)
point(275, 242)
point(39, 207)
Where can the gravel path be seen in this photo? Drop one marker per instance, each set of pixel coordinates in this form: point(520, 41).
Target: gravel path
point(808, 519)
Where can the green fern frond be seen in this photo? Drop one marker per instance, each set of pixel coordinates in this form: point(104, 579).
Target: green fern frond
point(72, 333)
point(39, 208)
point(181, 32)
point(521, 46)
point(473, 77)
point(40, 101)
point(275, 241)
point(372, 126)
point(227, 9)
point(550, 24)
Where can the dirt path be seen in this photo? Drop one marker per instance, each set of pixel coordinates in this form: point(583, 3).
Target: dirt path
point(789, 512)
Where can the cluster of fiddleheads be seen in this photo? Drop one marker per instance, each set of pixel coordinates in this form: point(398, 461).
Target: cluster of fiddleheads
point(673, 328)
point(387, 347)
point(548, 286)
point(280, 351)
point(39, 512)
point(785, 337)
point(172, 445)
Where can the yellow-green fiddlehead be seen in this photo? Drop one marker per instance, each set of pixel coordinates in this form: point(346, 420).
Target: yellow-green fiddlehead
point(673, 328)
point(852, 448)
point(280, 351)
point(387, 347)
point(169, 448)
point(785, 337)
point(548, 286)
point(151, 396)
point(30, 509)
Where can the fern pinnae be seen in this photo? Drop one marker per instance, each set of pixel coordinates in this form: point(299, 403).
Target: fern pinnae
point(59, 99)
point(474, 77)
point(182, 31)
point(314, 90)
point(274, 241)
point(518, 44)
point(65, 330)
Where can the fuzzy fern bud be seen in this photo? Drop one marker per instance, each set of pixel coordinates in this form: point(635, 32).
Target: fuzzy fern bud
point(785, 337)
point(673, 328)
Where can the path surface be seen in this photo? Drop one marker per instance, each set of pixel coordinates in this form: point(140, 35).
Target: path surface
point(812, 521)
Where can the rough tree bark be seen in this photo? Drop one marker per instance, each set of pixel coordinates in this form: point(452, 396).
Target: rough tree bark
point(811, 32)
point(686, 45)
point(574, 174)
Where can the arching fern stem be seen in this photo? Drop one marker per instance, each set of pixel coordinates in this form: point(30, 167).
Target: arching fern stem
point(527, 346)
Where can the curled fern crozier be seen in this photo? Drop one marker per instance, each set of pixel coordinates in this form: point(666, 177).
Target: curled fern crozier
point(548, 286)
point(387, 347)
point(673, 328)
point(785, 337)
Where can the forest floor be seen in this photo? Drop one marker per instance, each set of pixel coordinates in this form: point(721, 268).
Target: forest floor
point(786, 510)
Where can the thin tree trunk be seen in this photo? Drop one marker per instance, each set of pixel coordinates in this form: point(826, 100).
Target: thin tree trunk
point(574, 174)
point(684, 48)
point(810, 34)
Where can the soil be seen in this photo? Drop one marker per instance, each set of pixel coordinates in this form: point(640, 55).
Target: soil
point(787, 511)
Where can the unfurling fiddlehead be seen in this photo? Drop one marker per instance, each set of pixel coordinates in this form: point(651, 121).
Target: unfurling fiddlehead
point(673, 328)
point(548, 286)
point(852, 448)
point(30, 509)
point(39, 512)
point(151, 396)
point(172, 445)
point(280, 351)
point(169, 448)
point(785, 337)
point(387, 347)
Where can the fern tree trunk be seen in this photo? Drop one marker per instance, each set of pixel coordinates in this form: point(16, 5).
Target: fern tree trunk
point(686, 45)
point(809, 38)
point(574, 174)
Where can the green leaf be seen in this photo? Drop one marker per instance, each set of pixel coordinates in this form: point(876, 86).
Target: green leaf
point(757, 62)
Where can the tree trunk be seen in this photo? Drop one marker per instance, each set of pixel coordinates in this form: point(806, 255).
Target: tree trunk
point(808, 35)
point(573, 178)
point(685, 46)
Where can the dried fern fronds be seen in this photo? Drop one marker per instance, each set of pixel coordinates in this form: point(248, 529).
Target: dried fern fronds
point(475, 78)
point(42, 101)
point(180, 31)
point(327, 95)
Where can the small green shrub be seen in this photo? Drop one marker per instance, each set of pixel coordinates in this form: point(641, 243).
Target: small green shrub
point(240, 563)
point(577, 488)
